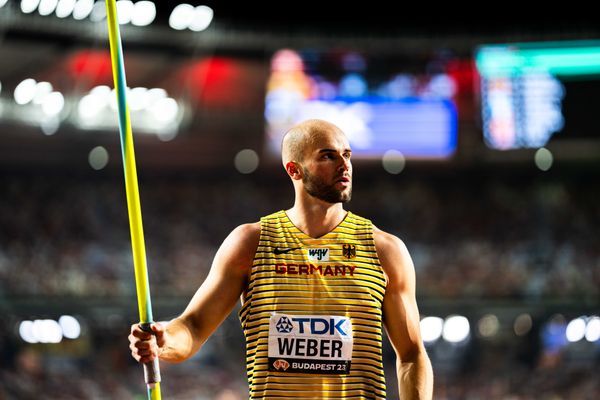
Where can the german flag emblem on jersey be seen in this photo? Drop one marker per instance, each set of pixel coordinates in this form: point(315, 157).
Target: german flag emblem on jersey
point(349, 251)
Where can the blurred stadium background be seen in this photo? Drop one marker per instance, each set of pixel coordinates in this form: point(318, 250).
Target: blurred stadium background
point(476, 143)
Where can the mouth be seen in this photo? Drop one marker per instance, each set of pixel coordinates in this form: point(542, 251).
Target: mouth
point(343, 179)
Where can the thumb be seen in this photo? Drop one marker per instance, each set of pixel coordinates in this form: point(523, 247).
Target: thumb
point(159, 332)
point(157, 328)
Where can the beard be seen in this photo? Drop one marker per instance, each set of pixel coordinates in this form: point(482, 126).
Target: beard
point(318, 188)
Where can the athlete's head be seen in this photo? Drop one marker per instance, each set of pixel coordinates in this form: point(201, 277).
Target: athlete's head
point(317, 153)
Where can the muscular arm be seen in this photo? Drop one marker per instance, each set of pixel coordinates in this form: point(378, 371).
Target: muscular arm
point(215, 298)
point(401, 318)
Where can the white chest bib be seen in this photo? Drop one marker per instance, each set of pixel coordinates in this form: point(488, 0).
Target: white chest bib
point(316, 344)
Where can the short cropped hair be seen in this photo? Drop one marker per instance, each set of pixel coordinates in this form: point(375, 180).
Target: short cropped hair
point(298, 137)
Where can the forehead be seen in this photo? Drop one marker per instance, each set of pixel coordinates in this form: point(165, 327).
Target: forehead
point(331, 139)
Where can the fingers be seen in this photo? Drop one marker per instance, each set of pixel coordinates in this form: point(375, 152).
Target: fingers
point(136, 331)
point(144, 345)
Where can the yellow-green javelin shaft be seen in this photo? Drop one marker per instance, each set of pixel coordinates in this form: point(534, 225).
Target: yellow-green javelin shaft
point(151, 370)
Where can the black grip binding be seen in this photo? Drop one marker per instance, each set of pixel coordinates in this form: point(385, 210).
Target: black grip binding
point(151, 369)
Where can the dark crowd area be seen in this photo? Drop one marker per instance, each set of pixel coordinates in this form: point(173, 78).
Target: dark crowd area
point(512, 238)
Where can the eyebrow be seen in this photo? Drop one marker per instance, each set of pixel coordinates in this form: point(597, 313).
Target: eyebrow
point(334, 151)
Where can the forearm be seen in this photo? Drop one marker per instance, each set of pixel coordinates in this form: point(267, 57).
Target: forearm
point(180, 342)
point(415, 378)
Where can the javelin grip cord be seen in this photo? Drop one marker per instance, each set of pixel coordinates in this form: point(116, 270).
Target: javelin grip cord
point(151, 369)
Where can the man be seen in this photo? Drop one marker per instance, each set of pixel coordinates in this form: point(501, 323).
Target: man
point(316, 282)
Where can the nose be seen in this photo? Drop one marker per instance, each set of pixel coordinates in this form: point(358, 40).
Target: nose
point(346, 165)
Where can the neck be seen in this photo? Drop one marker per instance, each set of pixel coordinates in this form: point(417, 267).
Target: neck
point(315, 217)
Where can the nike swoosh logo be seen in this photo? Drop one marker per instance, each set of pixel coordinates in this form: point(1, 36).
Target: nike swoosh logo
point(283, 251)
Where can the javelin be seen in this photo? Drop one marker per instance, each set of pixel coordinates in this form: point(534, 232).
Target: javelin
point(151, 369)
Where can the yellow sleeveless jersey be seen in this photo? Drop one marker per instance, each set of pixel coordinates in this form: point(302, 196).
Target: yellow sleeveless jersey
point(312, 316)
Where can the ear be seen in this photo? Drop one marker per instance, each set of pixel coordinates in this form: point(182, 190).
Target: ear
point(294, 170)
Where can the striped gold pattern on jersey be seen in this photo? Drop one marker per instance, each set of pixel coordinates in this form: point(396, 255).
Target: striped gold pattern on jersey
point(284, 280)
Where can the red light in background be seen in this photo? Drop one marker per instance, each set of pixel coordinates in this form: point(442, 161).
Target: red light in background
point(463, 72)
point(220, 82)
point(93, 67)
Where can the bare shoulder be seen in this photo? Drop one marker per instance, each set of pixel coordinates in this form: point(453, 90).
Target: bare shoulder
point(246, 233)
point(239, 248)
point(393, 255)
point(387, 244)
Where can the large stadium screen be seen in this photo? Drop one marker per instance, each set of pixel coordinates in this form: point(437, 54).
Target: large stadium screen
point(383, 103)
point(534, 93)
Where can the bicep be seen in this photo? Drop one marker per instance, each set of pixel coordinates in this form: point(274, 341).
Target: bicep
point(223, 286)
point(400, 311)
